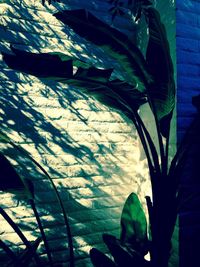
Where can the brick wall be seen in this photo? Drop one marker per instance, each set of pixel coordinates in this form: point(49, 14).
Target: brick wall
point(188, 32)
point(91, 152)
point(187, 40)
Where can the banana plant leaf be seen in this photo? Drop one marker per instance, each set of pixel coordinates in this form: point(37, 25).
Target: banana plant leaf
point(112, 41)
point(93, 81)
point(162, 91)
point(99, 259)
point(41, 65)
point(10, 181)
point(155, 74)
point(123, 255)
point(134, 224)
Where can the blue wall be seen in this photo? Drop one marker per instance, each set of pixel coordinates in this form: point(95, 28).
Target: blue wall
point(188, 85)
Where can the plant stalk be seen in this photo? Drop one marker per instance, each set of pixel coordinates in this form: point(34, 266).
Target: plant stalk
point(139, 129)
point(31, 201)
point(20, 234)
point(69, 235)
point(150, 143)
point(10, 253)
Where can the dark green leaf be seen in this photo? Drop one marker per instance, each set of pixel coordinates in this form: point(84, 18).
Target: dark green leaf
point(123, 255)
point(99, 259)
point(130, 94)
point(133, 223)
point(112, 41)
point(162, 92)
point(10, 181)
point(101, 75)
point(93, 81)
point(40, 65)
point(115, 94)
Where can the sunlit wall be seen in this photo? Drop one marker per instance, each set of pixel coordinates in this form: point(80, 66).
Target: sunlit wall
point(91, 152)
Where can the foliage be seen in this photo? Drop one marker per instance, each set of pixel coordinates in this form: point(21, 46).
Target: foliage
point(25, 257)
point(24, 188)
point(133, 244)
point(119, 7)
point(148, 78)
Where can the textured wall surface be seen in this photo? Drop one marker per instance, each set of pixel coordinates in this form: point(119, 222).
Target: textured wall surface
point(188, 70)
point(187, 40)
point(91, 153)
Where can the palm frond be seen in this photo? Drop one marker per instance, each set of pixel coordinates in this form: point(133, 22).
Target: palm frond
point(112, 41)
point(93, 81)
point(162, 91)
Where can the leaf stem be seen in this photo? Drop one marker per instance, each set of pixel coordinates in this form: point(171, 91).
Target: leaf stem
point(31, 201)
point(69, 235)
point(11, 254)
point(137, 122)
point(167, 154)
point(20, 234)
point(151, 144)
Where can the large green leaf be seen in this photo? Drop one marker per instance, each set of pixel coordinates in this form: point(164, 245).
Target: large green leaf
point(112, 41)
point(41, 65)
point(134, 224)
point(93, 81)
point(10, 180)
point(162, 91)
point(115, 94)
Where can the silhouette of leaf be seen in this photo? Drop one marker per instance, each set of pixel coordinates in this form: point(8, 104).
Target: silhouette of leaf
point(40, 65)
point(162, 91)
point(112, 41)
point(10, 181)
point(93, 81)
point(123, 255)
point(134, 224)
point(99, 259)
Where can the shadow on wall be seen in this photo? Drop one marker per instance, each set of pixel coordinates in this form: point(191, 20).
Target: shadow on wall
point(84, 147)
